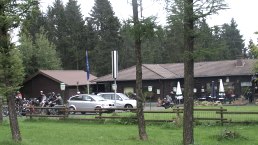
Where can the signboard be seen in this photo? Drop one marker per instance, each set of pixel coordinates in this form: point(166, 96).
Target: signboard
point(149, 88)
point(246, 84)
point(158, 91)
point(62, 86)
point(114, 87)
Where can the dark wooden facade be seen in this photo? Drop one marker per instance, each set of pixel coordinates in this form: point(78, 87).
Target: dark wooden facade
point(32, 88)
point(236, 76)
point(238, 84)
point(47, 82)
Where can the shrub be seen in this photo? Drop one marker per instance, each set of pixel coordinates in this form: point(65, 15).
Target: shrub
point(229, 135)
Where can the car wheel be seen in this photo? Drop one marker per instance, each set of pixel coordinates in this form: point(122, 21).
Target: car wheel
point(97, 109)
point(71, 109)
point(83, 113)
point(129, 107)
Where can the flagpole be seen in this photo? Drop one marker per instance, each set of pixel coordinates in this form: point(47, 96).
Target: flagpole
point(87, 72)
point(88, 86)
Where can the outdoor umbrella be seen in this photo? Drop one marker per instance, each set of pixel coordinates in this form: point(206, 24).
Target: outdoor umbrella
point(221, 90)
point(179, 95)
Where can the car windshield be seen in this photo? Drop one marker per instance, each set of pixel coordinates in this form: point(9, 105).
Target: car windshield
point(98, 98)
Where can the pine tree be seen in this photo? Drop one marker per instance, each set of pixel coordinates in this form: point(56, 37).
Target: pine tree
point(38, 55)
point(56, 28)
point(107, 27)
point(33, 22)
point(234, 41)
point(189, 11)
point(11, 70)
point(127, 54)
point(75, 41)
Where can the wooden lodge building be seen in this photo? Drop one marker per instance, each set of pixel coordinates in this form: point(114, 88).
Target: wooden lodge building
point(236, 75)
point(50, 81)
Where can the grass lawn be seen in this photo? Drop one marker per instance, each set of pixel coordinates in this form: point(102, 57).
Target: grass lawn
point(75, 132)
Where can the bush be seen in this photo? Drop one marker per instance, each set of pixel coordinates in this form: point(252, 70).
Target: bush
point(229, 135)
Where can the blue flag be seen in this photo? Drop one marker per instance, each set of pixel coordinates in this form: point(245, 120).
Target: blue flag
point(87, 65)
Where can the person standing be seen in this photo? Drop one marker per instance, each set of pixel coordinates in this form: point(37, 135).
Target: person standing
point(43, 99)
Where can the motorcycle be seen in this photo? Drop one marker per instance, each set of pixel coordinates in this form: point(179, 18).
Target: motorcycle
point(5, 111)
point(167, 105)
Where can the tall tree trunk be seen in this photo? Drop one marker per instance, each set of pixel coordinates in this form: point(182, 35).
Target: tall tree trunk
point(15, 130)
point(6, 49)
point(1, 110)
point(188, 72)
point(140, 98)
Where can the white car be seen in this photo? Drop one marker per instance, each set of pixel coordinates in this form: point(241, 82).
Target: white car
point(86, 102)
point(120, 101)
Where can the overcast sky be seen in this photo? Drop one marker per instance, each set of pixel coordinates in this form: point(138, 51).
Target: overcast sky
point(243, 11)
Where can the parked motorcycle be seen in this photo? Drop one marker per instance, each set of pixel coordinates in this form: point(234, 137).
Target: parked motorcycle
point(167, 102)
point(167, 105)
point(5, 111)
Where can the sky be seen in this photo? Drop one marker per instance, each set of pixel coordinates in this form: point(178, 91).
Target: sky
point(243, 11)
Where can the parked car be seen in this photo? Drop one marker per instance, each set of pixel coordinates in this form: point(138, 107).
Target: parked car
point(121, 100)
point(86, 102)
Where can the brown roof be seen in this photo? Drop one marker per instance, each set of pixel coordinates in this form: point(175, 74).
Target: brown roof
point(69, 77)
point(176, 70)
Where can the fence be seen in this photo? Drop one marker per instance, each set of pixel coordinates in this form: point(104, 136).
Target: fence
point(217, 115)
point(58, 111)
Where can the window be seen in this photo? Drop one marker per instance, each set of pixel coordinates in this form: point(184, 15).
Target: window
point(78, 98)
point(87, 98)
point(106, 96)
point(117, 97)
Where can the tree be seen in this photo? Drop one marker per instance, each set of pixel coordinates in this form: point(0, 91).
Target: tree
point(190, 11)
point(174, 30)
point(188, 71)
point(11, 70)
point(233, 39)
point(66, 29)
point(127, 54)
point(38, 55)
point(105, 24)
point(26, 48)
point(33, 22)
point(75, 37)
point(140, 98)
point(56, 28)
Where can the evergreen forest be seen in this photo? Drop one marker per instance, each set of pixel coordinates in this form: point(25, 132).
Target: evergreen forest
point(59, 38)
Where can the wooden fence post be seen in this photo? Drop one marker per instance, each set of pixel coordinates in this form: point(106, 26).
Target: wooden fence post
point(177, 112)
point(66, 112)
point(31, 110)
point(99, 110)
point(221, 116)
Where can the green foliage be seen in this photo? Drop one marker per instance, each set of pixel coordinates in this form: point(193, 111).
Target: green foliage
point(233, 39)
point(130, 120)
point(11, 68)
point(13, 12)
point(39, 55)
point(105, 25)
point(46, 52)
point(229, 135)
point(253, 50)
point(66, 29)
point(33, 22)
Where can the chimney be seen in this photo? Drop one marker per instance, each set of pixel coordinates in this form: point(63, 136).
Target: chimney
point(240, 62)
